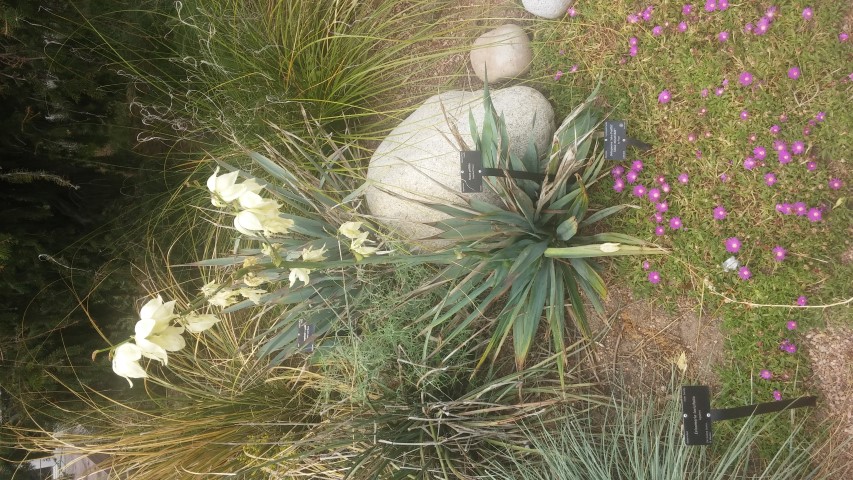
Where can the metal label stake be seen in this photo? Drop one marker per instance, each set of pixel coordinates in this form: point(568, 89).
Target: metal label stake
point(698, 416)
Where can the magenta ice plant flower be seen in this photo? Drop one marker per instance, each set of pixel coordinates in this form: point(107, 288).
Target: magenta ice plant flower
point(808, 13)
point(765, 374)
point(835, 183)
point(664, 187)
point(658, 217)
point(791, 325)
point(646, 265)
point(710, 5)
point(749, 163)
point(784, 157)
point(801, 301)
point(759, 152)
point(798, 147)
point(657, 31)
point(770, 179)
point(720, 212)
point(664, 96)
point(724, 177)
point(686, 9)
point(662, 207)
point(722, 5)
point(617, 171)
point(732, 244)
point(779, 145)
point(842, 37)
point(675, 223)
point(654, 277)
point(633, 51)
point(779, 253)
point(632, 176)
point(719, 91)
point(619, 184)
point(785, 209)
point(777, 395)
point(745, 79)
point(637, 165)
point(558, 75)
point(660, 230)
point(639, 191)
point(744, 273)
point(787, 346)
point(762, 26)
point(815, 215)
point(723, 36)
point(683, 178)
point(812, 166)
point(682, 27)
point(633, 42)
point(800, 209)
point(744, 115)
point(793, 73)
point(774, 130)
point(654, 194)
point(572, 12)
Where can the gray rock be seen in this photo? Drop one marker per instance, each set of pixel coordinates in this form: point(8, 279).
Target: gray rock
point(419, 159)
point(503, 53)
point(547, 8)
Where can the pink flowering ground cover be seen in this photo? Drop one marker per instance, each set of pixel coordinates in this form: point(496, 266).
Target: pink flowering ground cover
point(747, 109)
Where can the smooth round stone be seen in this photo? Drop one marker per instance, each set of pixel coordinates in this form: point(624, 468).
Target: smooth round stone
point(502, 53)
point(547, 8)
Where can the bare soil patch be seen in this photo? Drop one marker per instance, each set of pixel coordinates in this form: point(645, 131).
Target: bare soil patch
point(830, 353)
point(639, 345)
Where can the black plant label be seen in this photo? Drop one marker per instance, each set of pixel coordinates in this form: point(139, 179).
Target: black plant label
point(615, 140)
point(696, 412)
point(471, 171)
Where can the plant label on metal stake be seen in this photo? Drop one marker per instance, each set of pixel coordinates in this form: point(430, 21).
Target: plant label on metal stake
point(698, 416)
point(304, 336)
point(472, 172)
point(616, 140)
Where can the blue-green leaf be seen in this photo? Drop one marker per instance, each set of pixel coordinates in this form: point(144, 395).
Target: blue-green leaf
point(567, 229)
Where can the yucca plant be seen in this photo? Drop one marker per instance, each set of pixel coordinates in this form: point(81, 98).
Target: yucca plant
point(533, 254)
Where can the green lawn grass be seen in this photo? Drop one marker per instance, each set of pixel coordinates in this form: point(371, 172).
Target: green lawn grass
point(597, 41)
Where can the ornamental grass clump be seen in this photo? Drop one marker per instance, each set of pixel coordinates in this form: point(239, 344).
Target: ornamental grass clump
point(641, 438)
point(532, 255)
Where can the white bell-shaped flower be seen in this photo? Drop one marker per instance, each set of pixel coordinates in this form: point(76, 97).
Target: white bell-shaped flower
point(126, 362)
point(197, 323)
point(224, 188)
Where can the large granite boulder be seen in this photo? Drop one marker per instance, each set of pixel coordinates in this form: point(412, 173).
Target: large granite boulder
point(419, 159)
point(503, 53)
point(547, 8)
